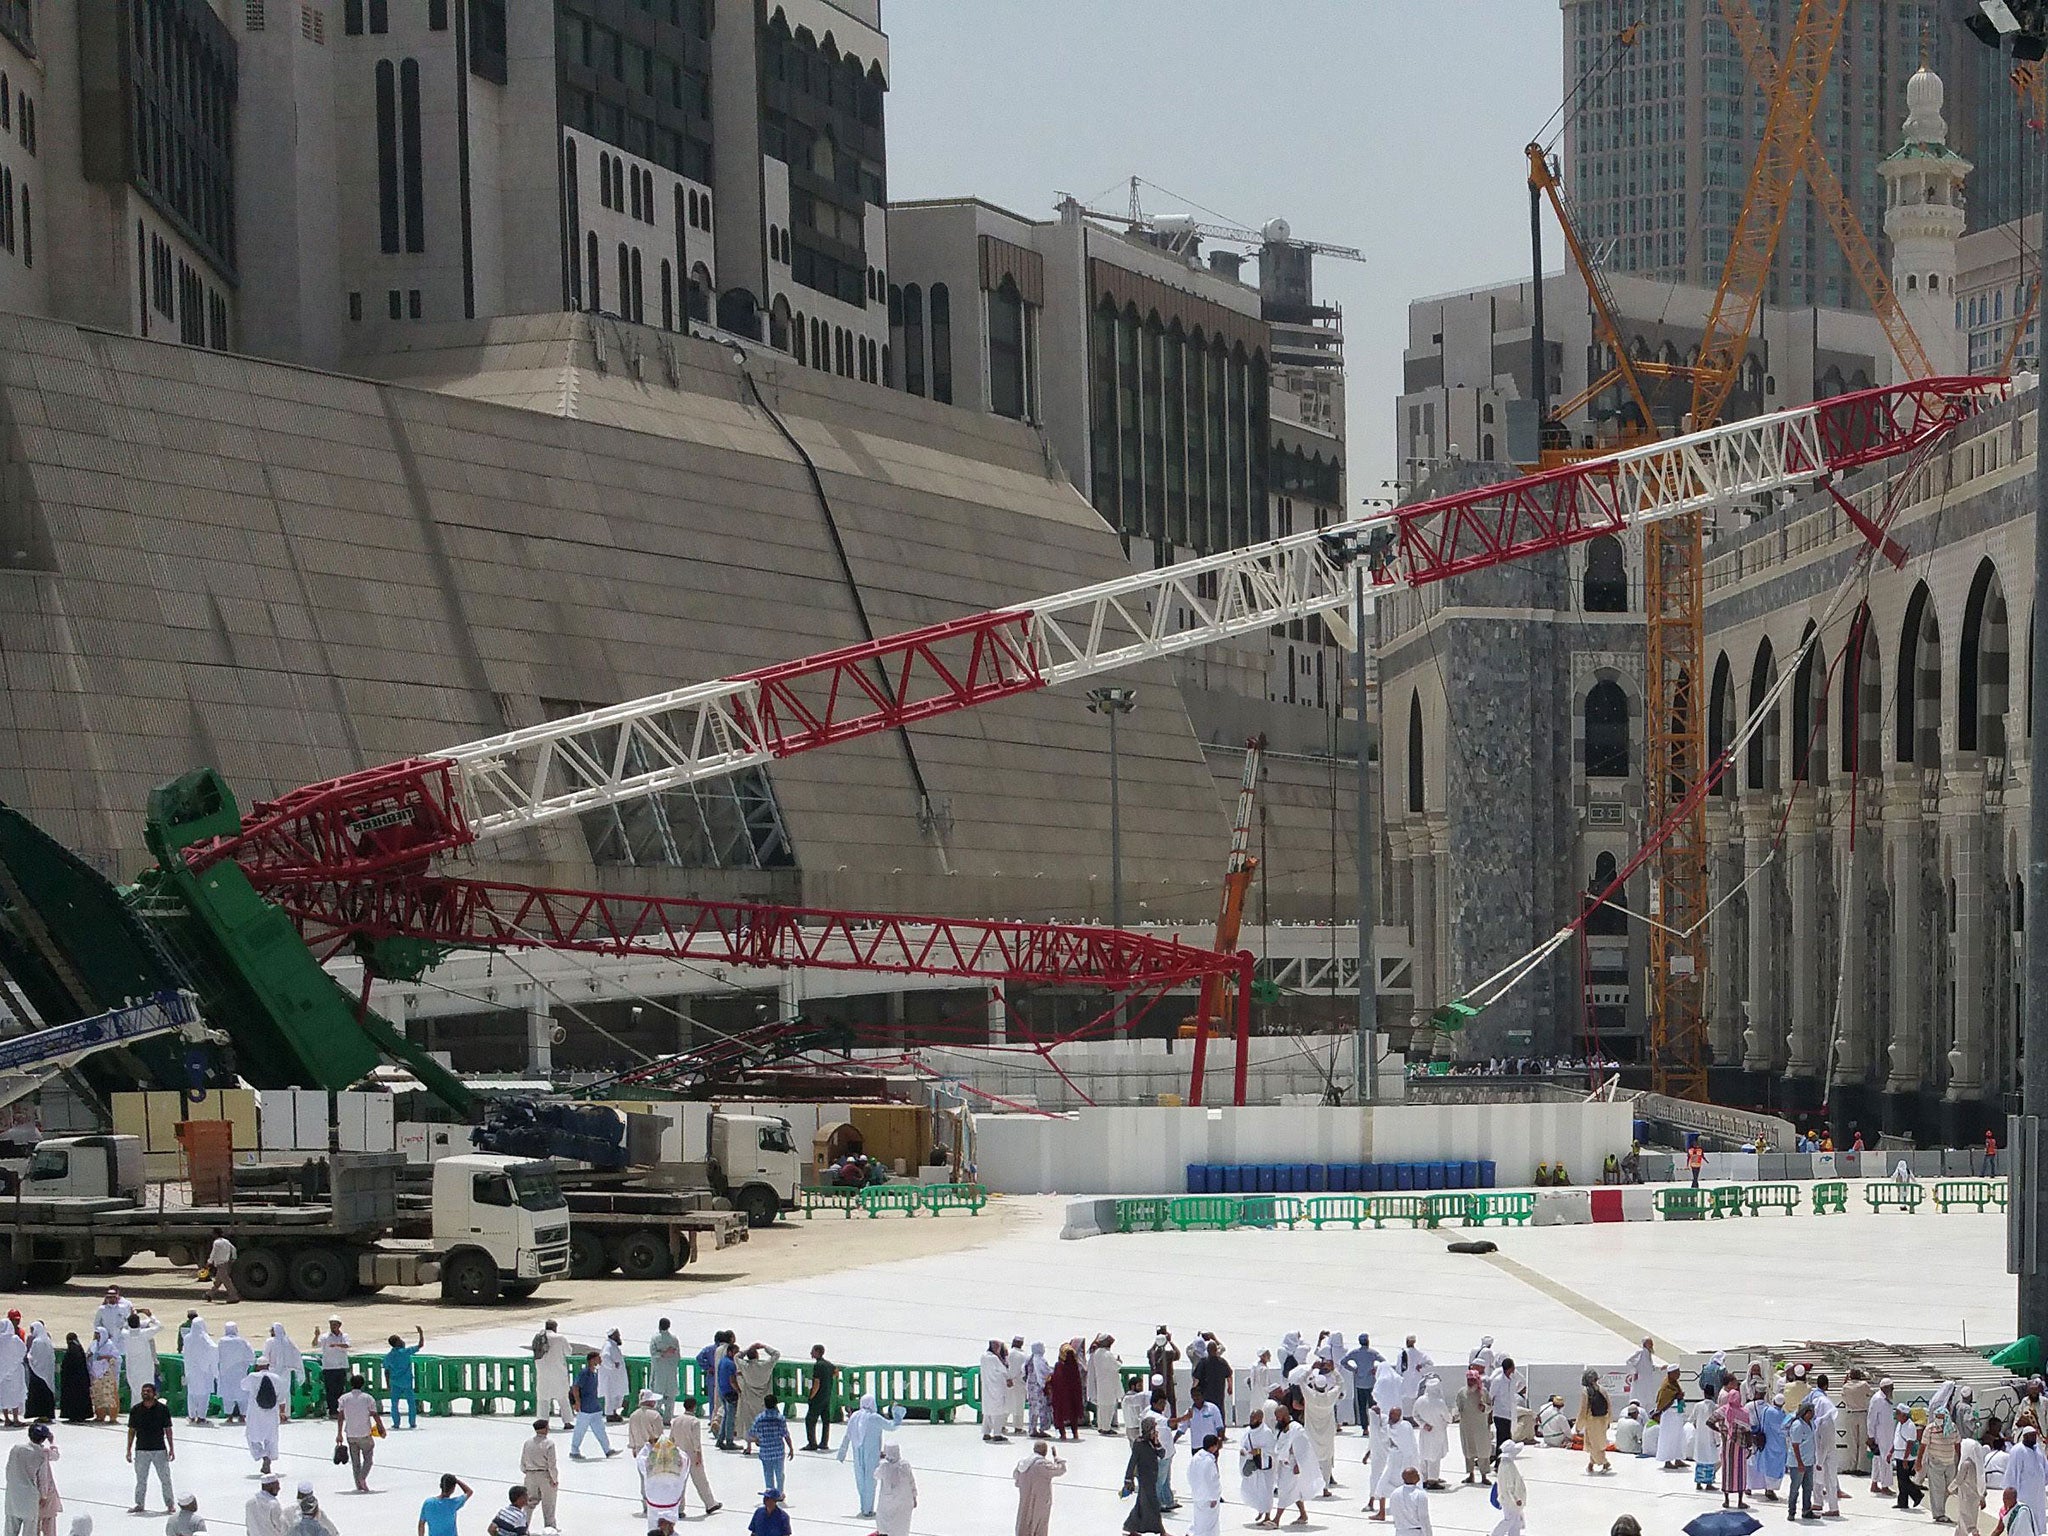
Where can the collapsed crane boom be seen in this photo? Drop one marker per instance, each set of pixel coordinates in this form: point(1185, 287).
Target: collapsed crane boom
point(393, 821)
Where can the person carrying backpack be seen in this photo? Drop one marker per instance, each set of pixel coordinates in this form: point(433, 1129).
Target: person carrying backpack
point(1594, 1410)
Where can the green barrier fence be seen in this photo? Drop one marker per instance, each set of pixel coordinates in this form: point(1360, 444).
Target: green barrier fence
point(1900, 1197)
point(909, 1199)
point(486, 1385)
point(1831, 1196)
point(1973, 1192)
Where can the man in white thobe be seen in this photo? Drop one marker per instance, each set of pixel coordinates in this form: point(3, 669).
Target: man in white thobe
point(232, 1361)
point(13, 1375)
point(1514, 1492)
point(551, 1372)
point(995, 1393)
point(1879, 1425)
point(202, 1369)
point(1016, 1400)
point(1415, 1368)
point(1403, 1451)
point(1205, 1490)
point(112, 1313)
point(1827, 1467)
point(1640, 1375)
point(1105, 1385)
point(263, 1515)
point(138, 1351)
point(2027, 1470)
point(1294, 1465)
point(1409, 1507)
point(1320, 1395)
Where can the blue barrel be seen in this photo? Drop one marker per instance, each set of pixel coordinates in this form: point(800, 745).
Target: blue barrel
point(1319, 1177)
point(1376, 1176)
point(1468, 1175)
point(1640, 1129)
point(1214, 1173)
point(1198, 1179)
point(1283, 1178)
point(1266, 1179)
point(1436, 1175)
point(1297, 1179)
point(1486, 1175)
point(1342, 1176)
point(1404, 1176)
point(1233, 1179)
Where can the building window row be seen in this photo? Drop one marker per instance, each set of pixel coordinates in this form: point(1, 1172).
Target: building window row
point(20, 117)
point(698, 205)
point(829, 348)
point(1178, 432)
point(401, 182)
point(172, 287)
point(181, 141)
point(908, 331)
point(17, 232)
point(614, 179)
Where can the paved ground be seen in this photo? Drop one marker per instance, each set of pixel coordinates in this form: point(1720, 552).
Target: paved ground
point(911, 1291)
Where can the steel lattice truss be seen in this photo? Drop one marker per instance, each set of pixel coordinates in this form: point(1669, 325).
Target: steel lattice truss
point(399, 817)
point(355, 857)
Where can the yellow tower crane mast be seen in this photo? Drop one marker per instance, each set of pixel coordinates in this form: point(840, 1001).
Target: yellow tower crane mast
point(1864, 264)
point(1674, 577)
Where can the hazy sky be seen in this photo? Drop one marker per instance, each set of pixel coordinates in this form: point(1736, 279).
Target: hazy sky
point(1395, 126)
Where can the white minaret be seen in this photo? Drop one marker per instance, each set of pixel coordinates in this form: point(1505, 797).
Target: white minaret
point(1924, 219)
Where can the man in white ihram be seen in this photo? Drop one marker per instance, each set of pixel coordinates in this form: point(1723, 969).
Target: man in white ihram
point(551, 1372)
point(1400, 1451)
point(995, 1393)
point(2026, 1469)
point(2017, 1518)
point(1640, 1372)
point(1410, 1506)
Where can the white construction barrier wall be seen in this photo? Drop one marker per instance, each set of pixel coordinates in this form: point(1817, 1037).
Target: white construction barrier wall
point(1141, 1150)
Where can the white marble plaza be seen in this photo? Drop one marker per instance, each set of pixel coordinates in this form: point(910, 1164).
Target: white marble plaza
point(1551, 1295)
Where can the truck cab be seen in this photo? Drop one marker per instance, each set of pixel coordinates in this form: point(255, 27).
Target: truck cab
point(85, 1167)
point(756, 1160)
point(502, 1224)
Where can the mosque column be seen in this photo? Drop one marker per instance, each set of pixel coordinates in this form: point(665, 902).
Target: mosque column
point(1423, 841)
point(1806, 1048)
point(1400, 875)
point(1963, 821)
point(1852, 1042)
point(1759, 1046)
point(1902, 845)
point(1724, 983)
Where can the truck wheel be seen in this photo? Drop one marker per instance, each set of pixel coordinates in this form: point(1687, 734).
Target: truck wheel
point(760, 1204)
point(469, 1280)
point(645, 1255)
point(260, 1274)
point(589, 1259)
point(320, 1274)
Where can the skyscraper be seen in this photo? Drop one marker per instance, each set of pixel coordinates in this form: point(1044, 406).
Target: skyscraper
point(1657, 152)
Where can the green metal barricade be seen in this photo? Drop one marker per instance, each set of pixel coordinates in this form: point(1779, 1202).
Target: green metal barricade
point(1684, 1204)
point(1453, 1208)
point(1413, 1209)
point(1883, 1194)
point(1977, 1192)
point(1831, 1196)
point(1727, 1200)
point(811, 1200)
point(1322, 1210)
point(954, 1197)
point(1515, 1206)
point(1757, 1198)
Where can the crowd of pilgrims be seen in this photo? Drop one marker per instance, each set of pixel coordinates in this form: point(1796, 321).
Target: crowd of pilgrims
point(1773, 1433)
